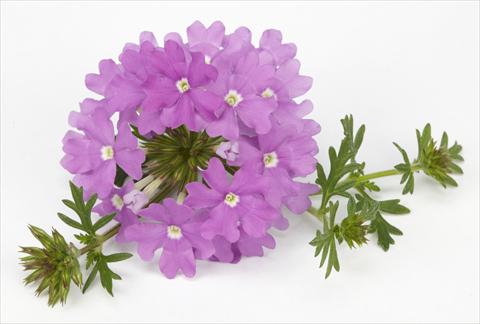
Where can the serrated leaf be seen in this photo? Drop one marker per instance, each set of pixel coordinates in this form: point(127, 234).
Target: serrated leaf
point(404, 155)
point(333, 259)
point(90, 278)
point(115, 276)
point(409, 185)
point(105, 276)
point(117, 257)
point(91, 202)
point(359, 137)
point(77, 194)
point(70, 222)
point(321, 178)
point(393, 206)
point(384, 232)
point(70, 204)
point(104, 220)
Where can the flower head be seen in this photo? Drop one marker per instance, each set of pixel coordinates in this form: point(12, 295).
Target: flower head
point(213, 118)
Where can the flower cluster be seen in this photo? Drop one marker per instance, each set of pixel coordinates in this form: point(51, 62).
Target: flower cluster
point(213, 119)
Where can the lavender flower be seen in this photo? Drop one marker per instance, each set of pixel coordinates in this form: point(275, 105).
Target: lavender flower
point(126, 203)
point(94, 155)
point(234, 205)
point(217, 121)
point(176, 228)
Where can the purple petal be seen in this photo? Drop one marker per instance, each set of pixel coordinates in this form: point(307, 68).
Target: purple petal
point(150, 121)
point(98, 181)
point(271, 41)
point(277, 135)
point(122, 94)
point(127, 154)
point(170, 263)
point(174, 51)
point(206, 102)
point(182, 113)
point(132, 62)
point(251, 246)
point(203, 248)
point(147, 36)
point(223, 250)
point(216, 176)
point(99, 82)
point(97, 126)
point(131, 162)
point(127, 218)
point(199, 196)
point(200, 73)
point(125, 139)
point(300, 202)
point(149, 237)
point(223, 222)
point(174, 37)
point(156, 212)
point(255, 113)
point(196, 33)
point(82, 154)
point(160, 92)
point(181, 213)
point(226, 125)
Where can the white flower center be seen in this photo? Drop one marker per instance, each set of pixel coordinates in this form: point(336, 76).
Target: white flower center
point(270, 160)
point(232, 199)
point(233, 98)
point(183, 85)
point(268, 93)
point(174, 232)
point(107, 153)
point(117, 202)
point(208, 59)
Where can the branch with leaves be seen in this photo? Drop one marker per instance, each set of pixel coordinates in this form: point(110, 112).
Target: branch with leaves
point(365, 214)
point(56, 264)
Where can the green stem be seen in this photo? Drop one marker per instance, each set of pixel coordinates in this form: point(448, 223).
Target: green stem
point(376, 175)
point(101, 239)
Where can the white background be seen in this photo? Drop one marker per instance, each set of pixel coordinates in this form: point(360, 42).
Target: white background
point(394, 65)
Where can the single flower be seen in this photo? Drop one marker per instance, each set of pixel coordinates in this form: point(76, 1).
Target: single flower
point(176, 229)
point(236, 204)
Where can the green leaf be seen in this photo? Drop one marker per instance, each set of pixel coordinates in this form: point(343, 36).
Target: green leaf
point(70, 204)
point(115, 276)
point(105, 276)
point(393, 206)
point(91, 202)
point(404, 154)
point(117, 257)
point(384, 232)
point(409, 185)
point(77, 194)
point(90, 278)
point(70, 222)
point(104, 220)
point(325, 242)
point(321, 178)
point(333, 259)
